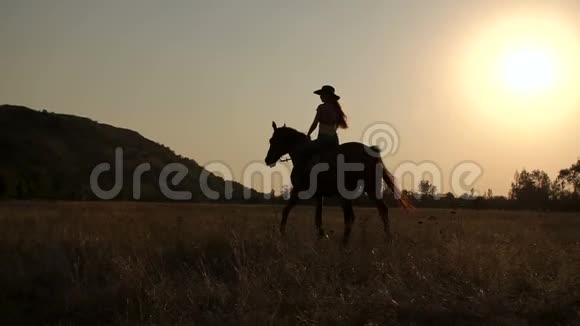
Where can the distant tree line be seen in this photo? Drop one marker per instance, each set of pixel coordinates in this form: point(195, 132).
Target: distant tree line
point(529, 190)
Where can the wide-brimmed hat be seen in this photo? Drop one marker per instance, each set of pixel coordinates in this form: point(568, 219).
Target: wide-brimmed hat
point(328, 91)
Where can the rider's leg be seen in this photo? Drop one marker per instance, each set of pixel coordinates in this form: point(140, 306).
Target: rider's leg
point(303, 154)
point(301, 158)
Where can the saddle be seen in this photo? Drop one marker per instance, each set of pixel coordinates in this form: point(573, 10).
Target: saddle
point(302, 176)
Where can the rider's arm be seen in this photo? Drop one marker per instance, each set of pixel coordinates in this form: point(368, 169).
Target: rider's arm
point(314, 124)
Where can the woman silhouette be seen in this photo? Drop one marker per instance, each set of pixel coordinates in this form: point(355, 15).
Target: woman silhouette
point(329, 117)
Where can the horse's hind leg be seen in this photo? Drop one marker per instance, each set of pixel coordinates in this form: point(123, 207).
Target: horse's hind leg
point(318, 218)
point(291, 203)
point(384, 213)
point(373, 189)
point(348, 220)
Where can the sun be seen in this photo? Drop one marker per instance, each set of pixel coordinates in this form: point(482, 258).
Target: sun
point(522, 70)
point(528, 70)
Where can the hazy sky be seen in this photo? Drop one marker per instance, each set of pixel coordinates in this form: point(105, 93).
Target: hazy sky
point(207, 78)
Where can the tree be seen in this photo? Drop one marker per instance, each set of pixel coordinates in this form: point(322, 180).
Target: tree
point(426, 188)
point(570, 177)
point(531, 189)
point(449, 196)
point(558, 190)
point(448, 200)
point(427, 192)
point(489, 194)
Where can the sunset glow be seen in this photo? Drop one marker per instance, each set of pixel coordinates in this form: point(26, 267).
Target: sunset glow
point(523, 69)
point(529, 70)
point(207, 78)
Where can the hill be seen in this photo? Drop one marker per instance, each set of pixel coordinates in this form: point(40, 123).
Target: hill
point(51, 156)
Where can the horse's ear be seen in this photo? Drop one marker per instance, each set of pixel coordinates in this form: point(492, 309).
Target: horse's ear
point(284, 124)
point(274, 125)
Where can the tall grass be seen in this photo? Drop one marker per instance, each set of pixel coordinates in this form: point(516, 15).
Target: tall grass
point(160, 264)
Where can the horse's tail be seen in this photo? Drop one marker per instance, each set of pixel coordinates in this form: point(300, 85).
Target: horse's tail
point(390, 181)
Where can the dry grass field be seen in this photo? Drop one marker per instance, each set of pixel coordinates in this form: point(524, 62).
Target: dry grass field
point(181, 264)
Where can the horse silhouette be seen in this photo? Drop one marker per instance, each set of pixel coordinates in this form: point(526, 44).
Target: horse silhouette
point(329, 177)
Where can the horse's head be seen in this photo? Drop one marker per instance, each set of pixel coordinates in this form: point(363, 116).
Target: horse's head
point(284, 140)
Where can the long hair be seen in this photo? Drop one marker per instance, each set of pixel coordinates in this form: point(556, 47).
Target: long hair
point(341, 116)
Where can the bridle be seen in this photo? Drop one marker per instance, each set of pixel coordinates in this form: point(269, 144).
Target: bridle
point(288, 158)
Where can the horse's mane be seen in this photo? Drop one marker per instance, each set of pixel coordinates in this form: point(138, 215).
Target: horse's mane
point(288, 132)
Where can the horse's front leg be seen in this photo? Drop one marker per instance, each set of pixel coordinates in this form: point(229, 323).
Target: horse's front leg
point(318, 218)
point(291, 203)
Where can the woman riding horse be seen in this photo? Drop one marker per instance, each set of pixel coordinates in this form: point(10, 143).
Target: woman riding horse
point(329, 117)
